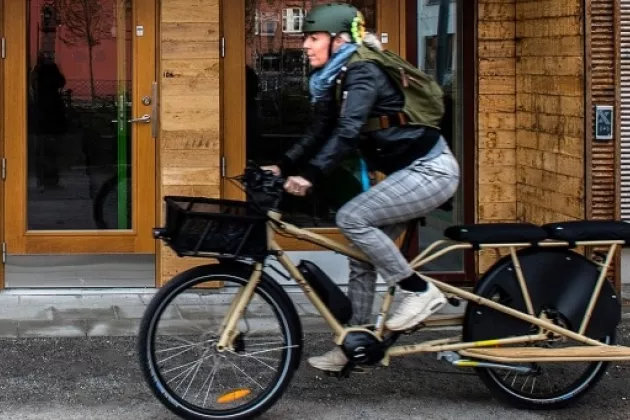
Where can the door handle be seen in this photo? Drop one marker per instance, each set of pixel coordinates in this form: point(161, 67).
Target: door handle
point(146, 118)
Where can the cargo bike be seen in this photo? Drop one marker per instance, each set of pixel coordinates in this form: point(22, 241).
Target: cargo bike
point(223, 340)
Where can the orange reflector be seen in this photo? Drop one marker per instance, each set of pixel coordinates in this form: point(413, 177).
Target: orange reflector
point(234, 395)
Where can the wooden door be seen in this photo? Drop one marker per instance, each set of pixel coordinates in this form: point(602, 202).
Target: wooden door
point(81, 160)
point(266, 96)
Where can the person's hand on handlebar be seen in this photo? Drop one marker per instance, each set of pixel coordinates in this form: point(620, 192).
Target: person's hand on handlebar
point(273, 168)
point(297, 185)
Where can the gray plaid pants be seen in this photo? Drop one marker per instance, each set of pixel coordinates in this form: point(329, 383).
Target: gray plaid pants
point(373, 219)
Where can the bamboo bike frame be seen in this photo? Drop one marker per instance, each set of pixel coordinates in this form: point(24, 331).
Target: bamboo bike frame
point(546, 331)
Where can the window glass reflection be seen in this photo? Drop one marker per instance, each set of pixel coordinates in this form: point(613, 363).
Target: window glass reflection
point(79, 139)
point(438, 34)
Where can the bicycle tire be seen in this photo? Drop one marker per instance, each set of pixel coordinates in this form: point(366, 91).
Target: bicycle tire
point(270, 291)
point(474, 330)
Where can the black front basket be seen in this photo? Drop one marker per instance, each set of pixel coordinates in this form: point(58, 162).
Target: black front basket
point(214, 228)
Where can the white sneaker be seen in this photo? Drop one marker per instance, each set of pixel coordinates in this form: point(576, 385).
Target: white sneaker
point(333, 361)
point(415, 308)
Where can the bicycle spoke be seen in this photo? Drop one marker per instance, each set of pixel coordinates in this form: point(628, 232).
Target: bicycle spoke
point(244, 373)
point(191, 347)
point(185, 346)
point(181, 367)
point(211, 377)
point(187, 371)
point(256, 359)
point(267, 351)
point(193, 378)
point(250, 344)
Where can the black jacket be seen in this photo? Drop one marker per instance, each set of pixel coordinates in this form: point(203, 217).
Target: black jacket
point(335, 130)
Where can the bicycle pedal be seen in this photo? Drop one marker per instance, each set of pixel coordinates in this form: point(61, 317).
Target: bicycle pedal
point(345, 372)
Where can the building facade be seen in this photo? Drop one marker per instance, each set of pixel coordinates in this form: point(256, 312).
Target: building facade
point(109, 105)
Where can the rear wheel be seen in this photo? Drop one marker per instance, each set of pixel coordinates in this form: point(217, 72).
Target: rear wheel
point(550, 384)
point(179, 333)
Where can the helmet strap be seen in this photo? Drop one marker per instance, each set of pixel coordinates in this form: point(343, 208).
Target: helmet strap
point(330, 45)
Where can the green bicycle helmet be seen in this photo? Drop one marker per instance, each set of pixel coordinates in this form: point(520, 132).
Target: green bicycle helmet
point(335, 18)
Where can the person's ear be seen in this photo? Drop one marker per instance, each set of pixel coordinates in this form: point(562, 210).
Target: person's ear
point(337, 42)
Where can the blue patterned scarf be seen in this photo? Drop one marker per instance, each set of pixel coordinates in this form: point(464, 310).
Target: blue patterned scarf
point(322, 79)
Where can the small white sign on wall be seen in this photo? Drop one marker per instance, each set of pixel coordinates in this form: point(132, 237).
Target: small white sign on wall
point(604, 122)
point(139, 30)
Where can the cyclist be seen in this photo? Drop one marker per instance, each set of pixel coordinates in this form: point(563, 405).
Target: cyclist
point(421, 172)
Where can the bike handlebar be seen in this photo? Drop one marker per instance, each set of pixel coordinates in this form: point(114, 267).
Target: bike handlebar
point(257, 179)
point(262, 186)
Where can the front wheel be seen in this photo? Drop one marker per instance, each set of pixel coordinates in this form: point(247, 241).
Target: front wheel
point(179, 333)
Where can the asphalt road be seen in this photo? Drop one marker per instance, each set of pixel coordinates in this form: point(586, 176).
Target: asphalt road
point(98, 378)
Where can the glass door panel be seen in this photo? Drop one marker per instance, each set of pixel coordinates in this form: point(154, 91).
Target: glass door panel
point(439, 40)
point(82, 85)
point(80, 92)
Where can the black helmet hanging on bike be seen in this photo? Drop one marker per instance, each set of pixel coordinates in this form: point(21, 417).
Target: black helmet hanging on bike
point(335, 18)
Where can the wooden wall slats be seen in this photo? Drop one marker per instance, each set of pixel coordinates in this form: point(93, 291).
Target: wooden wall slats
point(190, 109)
point(550, 105)
point(496, 135)
point(531, 112)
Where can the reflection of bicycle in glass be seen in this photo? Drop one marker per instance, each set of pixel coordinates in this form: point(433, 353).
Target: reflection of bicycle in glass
point(223, 340)
point(111, 205)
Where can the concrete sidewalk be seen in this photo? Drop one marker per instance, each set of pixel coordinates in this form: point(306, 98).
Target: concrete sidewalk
point(112, 312)
point(83, 313)
point(117, 312)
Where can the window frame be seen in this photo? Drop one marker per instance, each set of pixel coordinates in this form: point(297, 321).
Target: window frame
point(292, 18)
point(263, 21)
point(469, 117)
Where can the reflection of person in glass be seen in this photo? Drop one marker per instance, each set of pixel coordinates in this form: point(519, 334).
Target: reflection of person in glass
point(49, 118)
point(421, 172)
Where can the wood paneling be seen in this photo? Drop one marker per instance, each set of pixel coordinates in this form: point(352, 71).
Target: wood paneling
point(548, 158)
point(550, 110)
point(389, 21)
point(232, 112)
point(496, 127)
point(531, 112)
point(190, 111)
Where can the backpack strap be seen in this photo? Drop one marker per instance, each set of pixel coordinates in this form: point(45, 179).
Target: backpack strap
point(397, 119)
point(340, 79)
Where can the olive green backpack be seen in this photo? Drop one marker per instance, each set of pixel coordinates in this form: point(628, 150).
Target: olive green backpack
point(424, 103)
